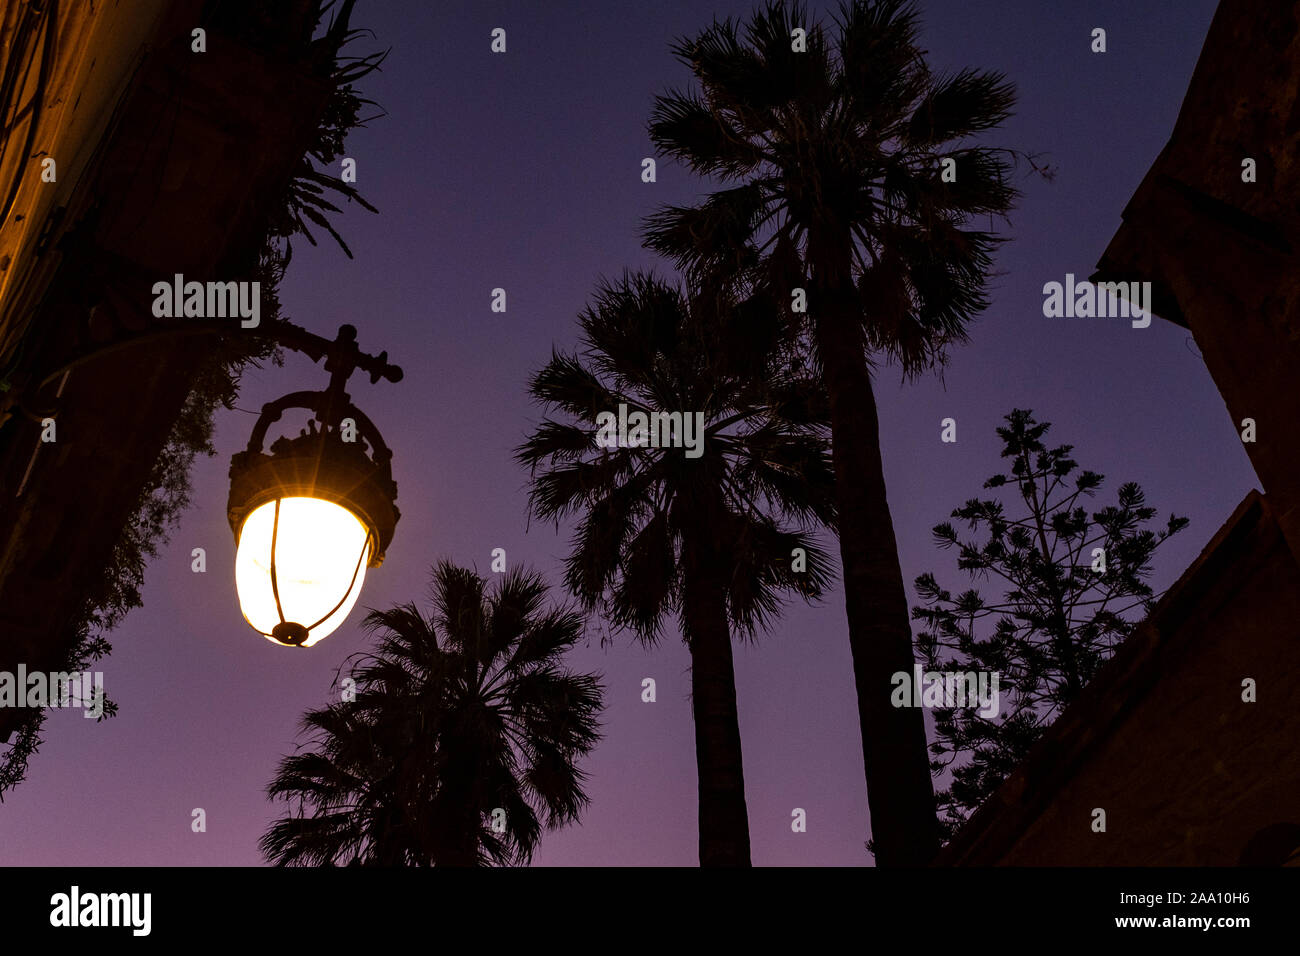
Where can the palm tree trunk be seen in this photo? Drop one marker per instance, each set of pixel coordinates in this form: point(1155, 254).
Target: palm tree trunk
point(900, 794)
point(724, 819)
point(461, 845)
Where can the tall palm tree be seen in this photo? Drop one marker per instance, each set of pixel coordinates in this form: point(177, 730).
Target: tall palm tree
point(711, 536)
point(830, 160)
point(460, 744)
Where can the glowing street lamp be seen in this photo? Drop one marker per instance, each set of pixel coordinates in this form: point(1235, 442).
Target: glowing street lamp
point(314, 513)
point(295, 555)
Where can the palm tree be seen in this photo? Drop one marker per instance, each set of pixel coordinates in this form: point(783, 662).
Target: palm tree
point(459, 743)
point(712, 535)
point(830, 158)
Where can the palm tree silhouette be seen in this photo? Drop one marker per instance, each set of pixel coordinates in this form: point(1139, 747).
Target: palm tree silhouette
point(711, 539)
point(831, 159)
point(461, 742)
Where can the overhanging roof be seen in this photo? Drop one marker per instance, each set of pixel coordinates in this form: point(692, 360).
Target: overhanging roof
point(1243, 102)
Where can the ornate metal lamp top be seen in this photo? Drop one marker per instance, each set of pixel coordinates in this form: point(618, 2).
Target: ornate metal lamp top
point(346, 461)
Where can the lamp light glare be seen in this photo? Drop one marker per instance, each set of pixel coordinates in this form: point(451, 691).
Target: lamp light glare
point(318, 550)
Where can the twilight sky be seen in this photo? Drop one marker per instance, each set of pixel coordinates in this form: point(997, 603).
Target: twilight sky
point(522, 171)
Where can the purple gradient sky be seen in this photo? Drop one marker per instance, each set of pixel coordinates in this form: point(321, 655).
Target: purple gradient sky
point(522, 171)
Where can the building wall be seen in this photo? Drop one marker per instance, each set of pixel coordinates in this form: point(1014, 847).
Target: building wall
point(1222, 247)
point(98, 47)
point(1186, 771)
point(192, 162)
